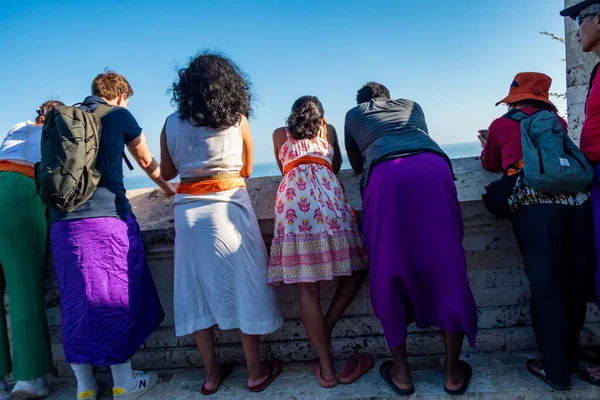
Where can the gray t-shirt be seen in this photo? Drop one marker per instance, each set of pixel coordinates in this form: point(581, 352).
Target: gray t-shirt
point(383, 129)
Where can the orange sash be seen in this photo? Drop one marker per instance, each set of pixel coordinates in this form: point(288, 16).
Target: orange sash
point(210, 186)
point(514, 168)
point(9, 166)
point(306, 160)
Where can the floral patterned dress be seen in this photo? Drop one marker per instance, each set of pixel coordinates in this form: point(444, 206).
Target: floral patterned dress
point(316, 236)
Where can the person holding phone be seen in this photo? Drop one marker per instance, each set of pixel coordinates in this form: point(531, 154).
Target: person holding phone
point(550, 228)
point(482, 136)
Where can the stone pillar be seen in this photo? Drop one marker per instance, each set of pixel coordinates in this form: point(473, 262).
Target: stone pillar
point(579, 67)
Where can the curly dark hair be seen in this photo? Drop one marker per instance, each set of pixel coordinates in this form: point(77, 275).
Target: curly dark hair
point(370, 91)
point(212, 91)
point(306, 118)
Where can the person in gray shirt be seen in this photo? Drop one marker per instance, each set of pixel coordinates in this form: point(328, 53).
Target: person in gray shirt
point(380, 129)
point(413, 230)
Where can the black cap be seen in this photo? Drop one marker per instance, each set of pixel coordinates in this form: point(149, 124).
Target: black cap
point(574, 11)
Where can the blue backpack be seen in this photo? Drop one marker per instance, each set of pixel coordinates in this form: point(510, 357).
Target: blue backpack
point(552, 163)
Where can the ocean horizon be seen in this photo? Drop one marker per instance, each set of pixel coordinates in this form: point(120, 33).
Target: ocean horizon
point(454, 150)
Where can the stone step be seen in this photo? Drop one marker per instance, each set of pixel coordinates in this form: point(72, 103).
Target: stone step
point(348, 327)
point(425, 344)
point(498, 376)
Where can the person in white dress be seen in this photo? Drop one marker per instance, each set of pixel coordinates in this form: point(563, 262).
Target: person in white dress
point(220, 256)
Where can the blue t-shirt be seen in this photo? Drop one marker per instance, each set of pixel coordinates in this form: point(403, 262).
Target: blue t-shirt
point(119, 127)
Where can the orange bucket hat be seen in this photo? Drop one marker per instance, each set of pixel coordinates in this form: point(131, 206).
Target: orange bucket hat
point(529, 86)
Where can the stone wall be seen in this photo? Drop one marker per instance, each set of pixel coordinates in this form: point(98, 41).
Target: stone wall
point(579, 67)
point(495, 272)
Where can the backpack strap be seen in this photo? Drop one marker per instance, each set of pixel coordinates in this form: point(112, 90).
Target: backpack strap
point(101, 110)
point(517, 115)
point(116, 161)
point(127, 162)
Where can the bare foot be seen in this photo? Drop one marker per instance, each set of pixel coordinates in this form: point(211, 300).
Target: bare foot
point(535, 365)
point(400, 374)
point(455, 378)
point(594, 372)
point(328, 371)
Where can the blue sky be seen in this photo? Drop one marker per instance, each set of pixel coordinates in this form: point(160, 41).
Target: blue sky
point(455, 58)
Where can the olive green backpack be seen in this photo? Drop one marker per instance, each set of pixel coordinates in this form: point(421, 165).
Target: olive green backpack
point(66, 177)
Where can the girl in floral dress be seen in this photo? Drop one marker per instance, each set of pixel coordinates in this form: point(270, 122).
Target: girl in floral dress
point(316, 235)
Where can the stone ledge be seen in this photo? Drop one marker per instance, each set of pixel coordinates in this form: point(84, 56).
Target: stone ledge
point(155, 216)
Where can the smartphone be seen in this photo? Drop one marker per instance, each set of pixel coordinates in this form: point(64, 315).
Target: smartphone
point(484, 133)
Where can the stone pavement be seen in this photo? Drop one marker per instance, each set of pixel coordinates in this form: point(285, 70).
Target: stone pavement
point(496, 376)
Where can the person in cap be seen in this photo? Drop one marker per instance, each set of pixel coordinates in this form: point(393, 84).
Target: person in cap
point(587, 16)
point(554, 234)
point(413, 233)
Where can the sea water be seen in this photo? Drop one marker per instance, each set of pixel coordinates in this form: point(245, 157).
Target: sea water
point(454, 150)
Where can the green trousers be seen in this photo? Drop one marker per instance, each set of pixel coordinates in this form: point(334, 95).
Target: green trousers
point(23, 235)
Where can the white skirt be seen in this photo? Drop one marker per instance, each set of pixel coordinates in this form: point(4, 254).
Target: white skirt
point(221, 266)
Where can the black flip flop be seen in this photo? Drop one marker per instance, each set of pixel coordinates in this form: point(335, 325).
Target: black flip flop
point(541, 375)
point(465, 386)
point(585, 375)
point(384, 371)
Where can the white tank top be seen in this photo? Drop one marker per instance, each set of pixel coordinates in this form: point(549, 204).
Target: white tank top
point(203, 151)
point(22, 144)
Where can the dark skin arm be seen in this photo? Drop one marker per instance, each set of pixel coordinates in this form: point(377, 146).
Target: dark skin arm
point(167, 168)
point(354, 156)
point(247, 160)
point(279, 139)
point(356, 161)
point(332, 138)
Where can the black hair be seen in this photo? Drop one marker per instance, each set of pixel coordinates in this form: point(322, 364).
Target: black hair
point(370, 91)
point(212, 91)
point(306, 118)
point(537, 104)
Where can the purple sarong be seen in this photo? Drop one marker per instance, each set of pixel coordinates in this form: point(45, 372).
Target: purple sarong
point(413, 232)
point(109, 302)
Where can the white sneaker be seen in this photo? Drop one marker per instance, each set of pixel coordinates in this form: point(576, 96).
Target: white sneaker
point(33, 389)
point(145, 382)
point(4, 392)
point(89, 395)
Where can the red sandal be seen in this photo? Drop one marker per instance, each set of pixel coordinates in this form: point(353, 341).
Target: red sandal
point(275, 369)
point(227, 370)
point(356, 366)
